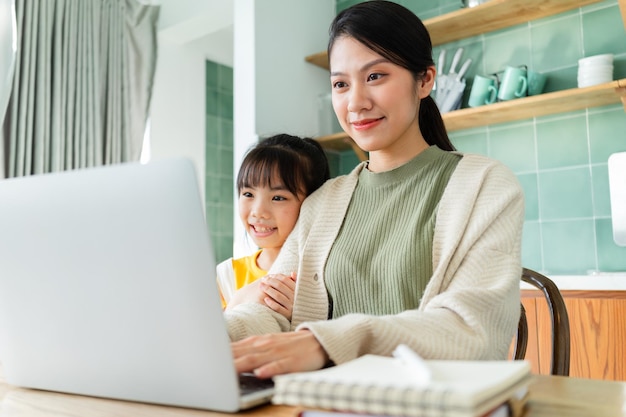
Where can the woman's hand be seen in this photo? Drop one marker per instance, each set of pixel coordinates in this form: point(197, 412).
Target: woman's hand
point(279, 292)
point(279, 353)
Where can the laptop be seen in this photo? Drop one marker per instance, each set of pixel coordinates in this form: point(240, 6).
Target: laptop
point(108, 288)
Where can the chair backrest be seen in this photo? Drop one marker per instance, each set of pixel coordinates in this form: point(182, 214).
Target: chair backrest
point(560, 323)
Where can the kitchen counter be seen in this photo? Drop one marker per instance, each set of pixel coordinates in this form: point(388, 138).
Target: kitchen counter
point(600, 281)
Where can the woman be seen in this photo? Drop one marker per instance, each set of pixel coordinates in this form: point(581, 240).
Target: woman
point(419, 245)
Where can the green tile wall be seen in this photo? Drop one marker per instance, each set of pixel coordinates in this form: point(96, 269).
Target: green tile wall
point(220, 207)
point(219, 157)
point(561, 163)
point(560, 160)
point(423, 8)
point(341, 162)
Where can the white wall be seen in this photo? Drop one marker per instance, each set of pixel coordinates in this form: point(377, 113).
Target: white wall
point(190, 32)
point(287, 85)
point(188, 20)
point(177, 114)
point(275, 88)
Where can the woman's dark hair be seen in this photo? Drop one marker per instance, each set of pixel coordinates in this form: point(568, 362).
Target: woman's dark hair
point(397, 34)
point(300, 163)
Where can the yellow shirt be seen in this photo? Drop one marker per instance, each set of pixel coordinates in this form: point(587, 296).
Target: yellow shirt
point(244, 271)
point(247, 270)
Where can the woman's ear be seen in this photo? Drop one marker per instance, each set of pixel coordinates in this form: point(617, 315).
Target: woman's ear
point(426, 82)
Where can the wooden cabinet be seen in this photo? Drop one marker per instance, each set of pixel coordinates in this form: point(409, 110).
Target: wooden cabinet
point(487, 17)
point(597, 330)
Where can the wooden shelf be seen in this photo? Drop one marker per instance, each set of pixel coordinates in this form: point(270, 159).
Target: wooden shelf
point(535, 106)
point(487, 17)
point(494, 15)
point(519, 109)
point(320, 59)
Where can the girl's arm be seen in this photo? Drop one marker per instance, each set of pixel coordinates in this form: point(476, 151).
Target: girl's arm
point(275, 290)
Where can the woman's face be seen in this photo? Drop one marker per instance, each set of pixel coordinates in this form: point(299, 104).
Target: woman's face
point(377, 102)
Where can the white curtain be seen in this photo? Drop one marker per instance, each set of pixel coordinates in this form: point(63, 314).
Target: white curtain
point(82, 84)
point(7, 62)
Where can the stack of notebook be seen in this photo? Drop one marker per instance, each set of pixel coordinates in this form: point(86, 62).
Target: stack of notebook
point(387, 386)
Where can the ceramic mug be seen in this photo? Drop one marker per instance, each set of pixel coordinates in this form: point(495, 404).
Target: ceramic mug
point(484, 91)
point(514, 83)
point(536, 82)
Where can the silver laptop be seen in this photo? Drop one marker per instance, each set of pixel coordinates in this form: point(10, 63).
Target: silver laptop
point(108, 289)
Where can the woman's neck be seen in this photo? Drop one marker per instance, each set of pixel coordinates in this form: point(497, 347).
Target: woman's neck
point(386, 160)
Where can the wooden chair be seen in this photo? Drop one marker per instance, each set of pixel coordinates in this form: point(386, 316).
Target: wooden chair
point(560, 324)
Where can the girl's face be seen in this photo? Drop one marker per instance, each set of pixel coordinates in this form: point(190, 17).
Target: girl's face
point(377, 103)
point(269, 213)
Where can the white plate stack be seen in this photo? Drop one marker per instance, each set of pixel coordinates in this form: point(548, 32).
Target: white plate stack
point(594, 70)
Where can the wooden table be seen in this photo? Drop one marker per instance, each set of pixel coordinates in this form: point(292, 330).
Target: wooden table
point(550, 396)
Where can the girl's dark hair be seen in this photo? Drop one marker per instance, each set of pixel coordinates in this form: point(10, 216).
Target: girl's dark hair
point(300, 163)
point(397, 34)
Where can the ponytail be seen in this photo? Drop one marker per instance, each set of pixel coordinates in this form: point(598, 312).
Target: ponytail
point(432, 126)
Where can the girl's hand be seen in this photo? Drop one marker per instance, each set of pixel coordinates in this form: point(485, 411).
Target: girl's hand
point(279, 353)
point(279, 292)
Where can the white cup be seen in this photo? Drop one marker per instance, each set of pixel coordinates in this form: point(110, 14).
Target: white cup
point(604, 59)
point(594, 75)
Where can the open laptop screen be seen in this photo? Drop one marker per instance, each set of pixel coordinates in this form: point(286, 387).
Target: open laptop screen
point(108, 287)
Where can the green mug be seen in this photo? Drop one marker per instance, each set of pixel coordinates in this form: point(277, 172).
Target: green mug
point(484, 91)
point(536, 82)
point(514, 83)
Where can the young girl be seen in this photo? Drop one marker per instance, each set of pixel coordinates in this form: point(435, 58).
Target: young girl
point(275, 177)
point(420, 245)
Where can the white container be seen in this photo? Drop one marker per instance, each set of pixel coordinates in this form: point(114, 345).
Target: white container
point(595, 75)
point(473, 3)
point(594, 70)
point(588, 82)
point(604, 71)
point(604, 59)
point(617, 192)
point(599, 78)
point(326, 118)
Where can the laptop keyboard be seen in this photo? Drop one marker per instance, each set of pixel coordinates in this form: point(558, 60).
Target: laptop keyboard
point(248, 383)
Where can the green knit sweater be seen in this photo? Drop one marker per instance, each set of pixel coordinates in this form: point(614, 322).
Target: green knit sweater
point(378, 264)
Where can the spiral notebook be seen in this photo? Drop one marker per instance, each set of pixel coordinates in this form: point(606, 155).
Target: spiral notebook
point(385, 386)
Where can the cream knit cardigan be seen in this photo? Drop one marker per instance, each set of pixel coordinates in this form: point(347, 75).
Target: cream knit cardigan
point(471, 305)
